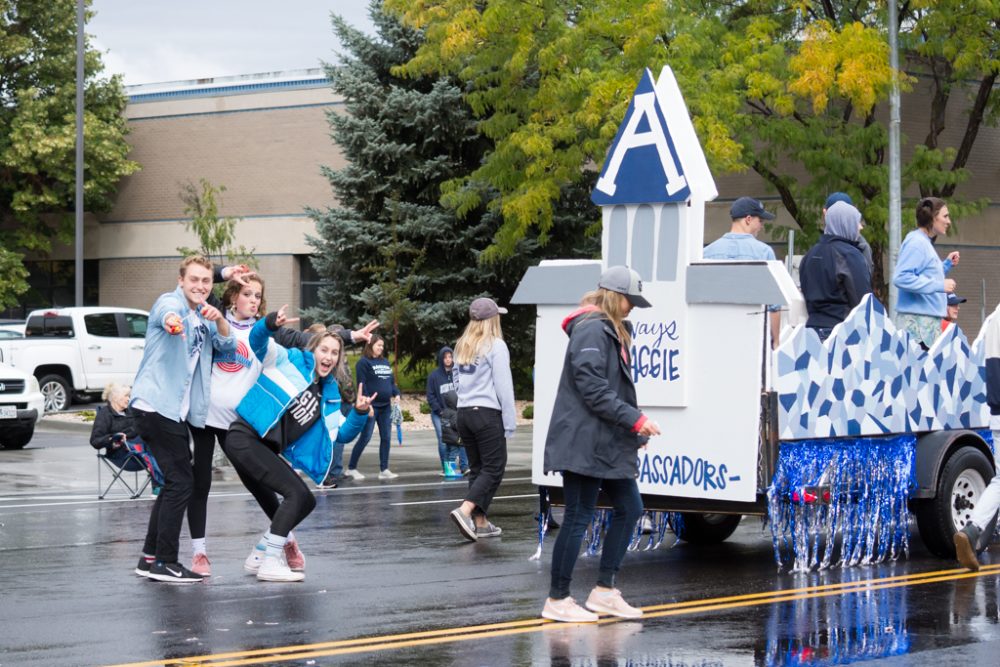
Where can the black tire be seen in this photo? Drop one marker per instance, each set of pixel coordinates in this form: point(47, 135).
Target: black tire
point(708, 528)
point(939, 518)
point(56, 391)
point(16, 439)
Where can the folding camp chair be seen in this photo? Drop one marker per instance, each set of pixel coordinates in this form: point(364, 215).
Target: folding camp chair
point(144, 471)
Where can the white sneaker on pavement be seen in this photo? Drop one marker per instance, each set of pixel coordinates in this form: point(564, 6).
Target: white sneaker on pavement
point(253, 561)
point(274, 568)
point(387, 474)
point(606, 601)
point(567, 611)
point(354, 474)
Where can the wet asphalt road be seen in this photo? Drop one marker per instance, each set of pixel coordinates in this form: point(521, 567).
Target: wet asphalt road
point(390, 581)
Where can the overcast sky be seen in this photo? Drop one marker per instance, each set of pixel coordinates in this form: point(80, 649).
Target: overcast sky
point(155, 41)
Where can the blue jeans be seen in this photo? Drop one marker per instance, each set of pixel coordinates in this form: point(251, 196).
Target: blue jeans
point(383, 416)
point(448, 452)
point(580, 494)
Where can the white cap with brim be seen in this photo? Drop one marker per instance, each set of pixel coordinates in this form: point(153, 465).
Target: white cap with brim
point(625, 281)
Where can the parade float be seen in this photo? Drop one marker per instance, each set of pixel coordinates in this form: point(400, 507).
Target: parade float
point(837, 444)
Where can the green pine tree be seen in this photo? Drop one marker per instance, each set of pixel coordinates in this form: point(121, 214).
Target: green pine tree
point(390, 249)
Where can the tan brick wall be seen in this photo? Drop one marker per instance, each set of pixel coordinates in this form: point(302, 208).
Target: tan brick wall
point(136, 283)
point(268, 160)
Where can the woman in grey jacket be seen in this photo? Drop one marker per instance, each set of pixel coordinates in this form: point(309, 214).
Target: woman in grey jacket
point(593, 440)
point(486, 415)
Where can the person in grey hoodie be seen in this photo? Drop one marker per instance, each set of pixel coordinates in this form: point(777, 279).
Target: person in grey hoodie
point(486, 415)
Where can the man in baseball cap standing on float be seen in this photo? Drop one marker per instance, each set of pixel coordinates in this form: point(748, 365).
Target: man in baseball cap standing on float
point(740, 243)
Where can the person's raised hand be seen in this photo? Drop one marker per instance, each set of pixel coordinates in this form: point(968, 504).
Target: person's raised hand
point(364, 333)
point(363, 403)
point(209, 312)
point(949, 285)
point(241, 273)
point(283, 318)
point(954, 256)
point(173, 324)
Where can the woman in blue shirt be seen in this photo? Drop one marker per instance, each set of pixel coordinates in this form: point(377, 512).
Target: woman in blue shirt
point(920, 274)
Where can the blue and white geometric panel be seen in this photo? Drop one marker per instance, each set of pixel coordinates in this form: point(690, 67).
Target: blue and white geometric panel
point(868, 378)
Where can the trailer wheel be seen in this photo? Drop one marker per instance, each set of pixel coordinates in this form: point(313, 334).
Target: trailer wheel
point(702, 528)
point(961, 483)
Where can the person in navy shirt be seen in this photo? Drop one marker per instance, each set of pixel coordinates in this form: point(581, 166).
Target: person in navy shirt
point(375, 374)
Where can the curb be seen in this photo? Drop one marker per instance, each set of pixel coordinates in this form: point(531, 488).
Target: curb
point(50, 424)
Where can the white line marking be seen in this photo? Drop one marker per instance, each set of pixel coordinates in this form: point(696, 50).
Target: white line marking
point(458, 500)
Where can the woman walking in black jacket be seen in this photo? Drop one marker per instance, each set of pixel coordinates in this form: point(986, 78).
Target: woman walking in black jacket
point(593, 440)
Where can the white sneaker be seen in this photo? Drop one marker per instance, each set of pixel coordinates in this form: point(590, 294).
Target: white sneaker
point(253, 561)
point(567, 611)
point(387, 474)
point(274, 568)
point(611, 602)
point(354, 474)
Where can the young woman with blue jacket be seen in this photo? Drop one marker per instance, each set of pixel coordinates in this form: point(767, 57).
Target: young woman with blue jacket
point(920, 274)
point(290, 419)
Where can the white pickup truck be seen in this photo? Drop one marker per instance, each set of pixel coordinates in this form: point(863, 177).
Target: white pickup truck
point(75, 352)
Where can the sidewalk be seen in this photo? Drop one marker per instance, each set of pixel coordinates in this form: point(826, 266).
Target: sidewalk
point(73, 468)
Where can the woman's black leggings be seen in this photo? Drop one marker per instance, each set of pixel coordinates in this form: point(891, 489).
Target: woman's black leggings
point(266, 476)
point(204, 452)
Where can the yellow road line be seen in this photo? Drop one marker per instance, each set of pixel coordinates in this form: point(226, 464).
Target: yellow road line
point(445, 635)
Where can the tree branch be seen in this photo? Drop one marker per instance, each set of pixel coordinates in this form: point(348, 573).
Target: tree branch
point(976, 115)
point(787, 199)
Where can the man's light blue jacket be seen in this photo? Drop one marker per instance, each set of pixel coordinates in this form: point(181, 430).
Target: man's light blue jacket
point(285, 375)
point(920, 276)
point(164, 373)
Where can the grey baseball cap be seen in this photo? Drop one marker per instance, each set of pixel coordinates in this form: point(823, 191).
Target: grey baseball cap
point(484, 308)
point(625, 281)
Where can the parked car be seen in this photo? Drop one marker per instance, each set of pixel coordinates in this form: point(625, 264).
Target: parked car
point(75, 352)
point(21, 406)
point(10, 329)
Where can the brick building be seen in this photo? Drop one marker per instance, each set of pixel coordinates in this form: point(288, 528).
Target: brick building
point(266, 138)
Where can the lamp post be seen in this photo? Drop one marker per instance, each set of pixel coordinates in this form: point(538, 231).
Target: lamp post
point(78, 262)
point(895, 197)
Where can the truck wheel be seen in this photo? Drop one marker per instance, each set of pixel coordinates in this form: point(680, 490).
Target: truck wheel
point(55, 389)
point(16, 439)
point(961, 483)
point(708, 528)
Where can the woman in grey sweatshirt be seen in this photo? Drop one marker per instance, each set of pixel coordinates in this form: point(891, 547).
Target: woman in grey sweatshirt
point(486, 415)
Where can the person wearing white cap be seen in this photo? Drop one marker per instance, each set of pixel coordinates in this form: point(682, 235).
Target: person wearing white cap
point(593, 439)
point(486, 414)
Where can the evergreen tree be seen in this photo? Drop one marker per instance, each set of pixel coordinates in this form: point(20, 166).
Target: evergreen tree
point(390, 249)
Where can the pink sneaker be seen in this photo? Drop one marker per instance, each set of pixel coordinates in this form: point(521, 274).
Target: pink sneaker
point(201, 565)
point(294, 557)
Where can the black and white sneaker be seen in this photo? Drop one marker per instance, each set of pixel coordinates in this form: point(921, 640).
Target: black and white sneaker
point(172, 572)
point(142, 569)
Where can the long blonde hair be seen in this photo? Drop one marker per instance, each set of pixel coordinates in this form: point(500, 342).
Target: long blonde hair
point(610, 303)
point(477, 339)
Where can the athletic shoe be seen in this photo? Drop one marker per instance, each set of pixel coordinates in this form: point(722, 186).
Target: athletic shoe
point(489, 530)
point(465, 524)
point(466, 471)
point(567, 611)
point(142, 569)
point(294, 557)
point(354, 474)
point(611, 602)
point(387, 474)
point(326, 484)
point(274, 568)
point(966, 541)
point(201, 565)
point(253, 561)
point(172, 572)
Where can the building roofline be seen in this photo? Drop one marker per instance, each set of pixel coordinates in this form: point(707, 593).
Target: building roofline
point(227, 85)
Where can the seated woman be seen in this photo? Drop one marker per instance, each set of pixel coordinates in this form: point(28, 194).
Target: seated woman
point(113, 427)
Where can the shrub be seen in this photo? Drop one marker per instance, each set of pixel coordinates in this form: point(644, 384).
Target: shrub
point(407, 417)
point(425, 408)
point(529, 411)
point(88, 415)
